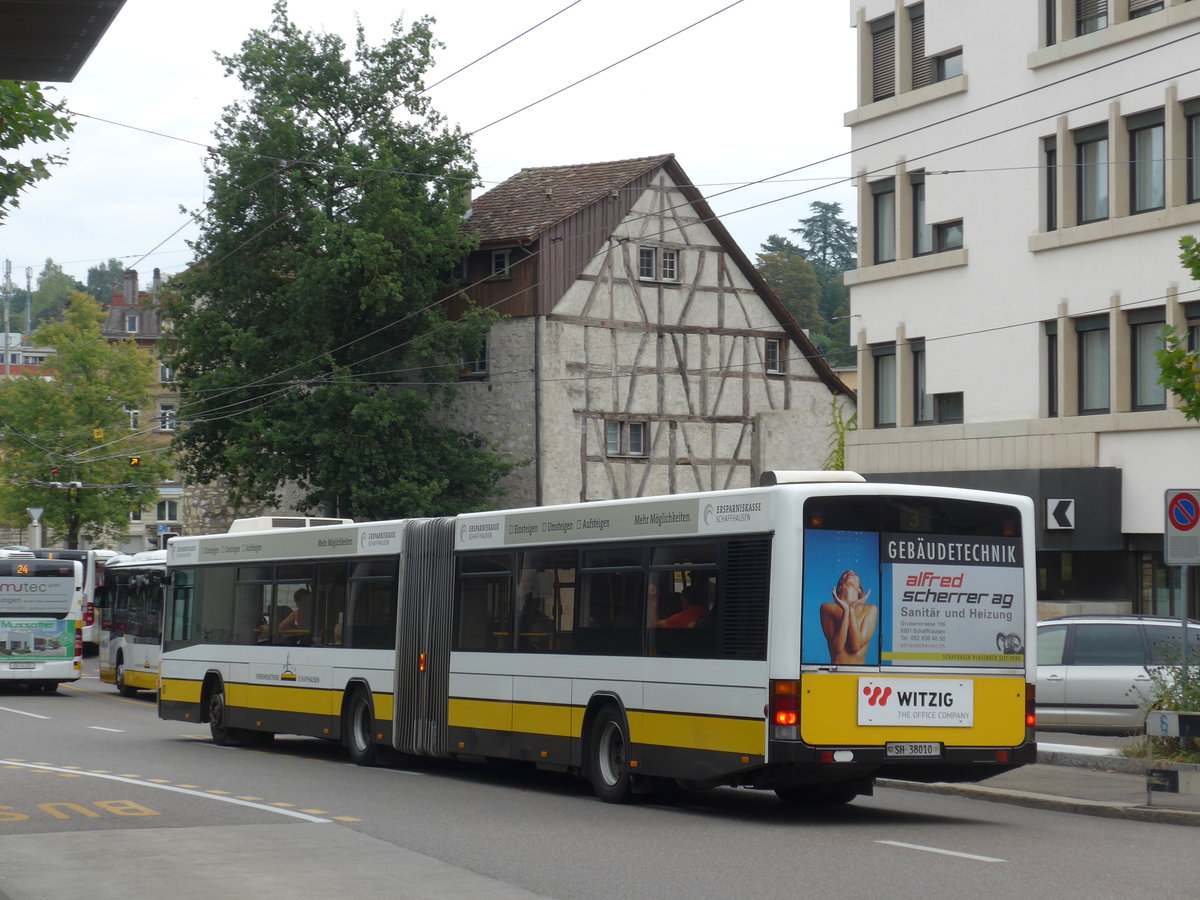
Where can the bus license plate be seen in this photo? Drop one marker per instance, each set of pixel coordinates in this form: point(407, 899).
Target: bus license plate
point(894, 749)
point(22, 665)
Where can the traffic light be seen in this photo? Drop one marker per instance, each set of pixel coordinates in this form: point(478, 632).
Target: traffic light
point(135, 461)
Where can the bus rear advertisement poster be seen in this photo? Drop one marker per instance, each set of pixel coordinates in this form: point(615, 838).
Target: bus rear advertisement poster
point(931, 601)
point(37, 640)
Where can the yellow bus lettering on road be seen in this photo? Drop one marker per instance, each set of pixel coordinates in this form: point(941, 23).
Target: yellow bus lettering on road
point(125, 808)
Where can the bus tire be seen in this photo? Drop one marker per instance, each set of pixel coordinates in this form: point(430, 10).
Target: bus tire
point(606, 757)
point(50, 687)
point(817, 795)
point(359, 729)
point(218, 725)
point(122, 688)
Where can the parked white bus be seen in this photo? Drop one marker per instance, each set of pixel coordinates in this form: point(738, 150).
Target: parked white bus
point(129, 620)
point(804, 636)
point(40, 612)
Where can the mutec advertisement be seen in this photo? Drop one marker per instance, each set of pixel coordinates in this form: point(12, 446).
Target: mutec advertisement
point(920, 600)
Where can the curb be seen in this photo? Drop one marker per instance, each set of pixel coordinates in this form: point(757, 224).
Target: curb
point(1130, 811)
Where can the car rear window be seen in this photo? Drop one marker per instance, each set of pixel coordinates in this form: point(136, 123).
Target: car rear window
point(1164, 643)
point(1108, 645)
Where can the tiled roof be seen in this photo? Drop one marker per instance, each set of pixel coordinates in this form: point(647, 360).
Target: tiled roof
point(531, 201)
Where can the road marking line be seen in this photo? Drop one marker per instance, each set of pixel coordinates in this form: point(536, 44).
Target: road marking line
point(943, 852)
point(178, 789)
point(21, 712)
point(102, 728)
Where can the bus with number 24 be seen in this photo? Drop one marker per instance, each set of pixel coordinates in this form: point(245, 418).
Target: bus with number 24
point(41, 612)
point(805, 636)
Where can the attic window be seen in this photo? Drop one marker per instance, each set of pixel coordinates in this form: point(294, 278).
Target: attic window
point(502, 263)
point(773, 361)
point(658, 264)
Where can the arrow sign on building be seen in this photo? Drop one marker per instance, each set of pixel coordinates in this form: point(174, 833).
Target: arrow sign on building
point(1060, 513)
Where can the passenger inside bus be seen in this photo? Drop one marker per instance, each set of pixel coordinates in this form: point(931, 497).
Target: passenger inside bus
point(693, 608)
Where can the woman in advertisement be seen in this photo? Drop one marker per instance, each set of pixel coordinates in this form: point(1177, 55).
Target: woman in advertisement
point(849, 622)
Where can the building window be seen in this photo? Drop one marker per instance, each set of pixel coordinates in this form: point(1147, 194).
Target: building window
point(1050, 172)
point(166, 417)
point(1090, 15)
point(947, 236)
point(1050, 20)
point(501, 264)
point(1092, 334)
point(476, 363)
point(135, 417)
point(1145, 328)
point(948, 407)
point(948, 65)
point(658, 264)
point(884, 216)
point(922, 66)
point(1191, 109)
point(1144, 7)
point(166, 373)
point(1091, 156)
point(774, 356)
point(931, 238)
point(1051, 369)
point(166, 511)
point(135, 515)
point(1146, 159)
point(922, 402)
point(883, 58)
point(131, 322)
point(885, 385)
point(460, 270)
point(625, 438)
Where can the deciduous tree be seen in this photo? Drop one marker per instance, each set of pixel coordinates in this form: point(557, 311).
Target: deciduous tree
point(313, 316)
point(1179, 360)
point(27, 116)
point(65, 440)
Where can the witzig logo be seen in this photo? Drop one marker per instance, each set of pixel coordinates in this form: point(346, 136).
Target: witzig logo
point(877, 696)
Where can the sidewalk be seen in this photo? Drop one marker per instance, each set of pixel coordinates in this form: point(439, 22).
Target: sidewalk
point(1078, 774)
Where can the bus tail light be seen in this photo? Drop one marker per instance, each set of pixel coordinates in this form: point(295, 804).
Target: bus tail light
point(784, 711)
point(1030, 706)
point(89, 614)
point(421, 663)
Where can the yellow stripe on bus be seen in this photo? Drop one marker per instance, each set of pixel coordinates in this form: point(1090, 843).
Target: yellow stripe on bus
point(745, 736)
point(829, 714)
point(655, 728)
point(275, 698)
point(143, 681)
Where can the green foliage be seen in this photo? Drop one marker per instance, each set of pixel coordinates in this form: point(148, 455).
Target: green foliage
point(829, 252)
point(302, 338)
point(1179, 366)
point(53, 293)
point(830, 239)
point(1175, 686)
point(27, 117)
point(836, 460)
point(71, 427)
point(795, 283)
point(104, 279)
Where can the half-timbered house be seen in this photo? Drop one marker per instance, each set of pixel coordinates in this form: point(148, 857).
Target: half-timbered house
point(640, 352)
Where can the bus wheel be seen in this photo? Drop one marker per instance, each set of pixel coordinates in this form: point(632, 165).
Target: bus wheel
point(817, 795)
point(359, 729)
point(122, 688)
point(50, 686)
point(222, 734)
point(606, 757)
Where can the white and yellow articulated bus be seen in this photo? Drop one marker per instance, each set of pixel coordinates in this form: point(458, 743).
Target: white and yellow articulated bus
point(804, 636)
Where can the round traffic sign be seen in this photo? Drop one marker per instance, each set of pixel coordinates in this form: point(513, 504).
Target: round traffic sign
point(1183, 512)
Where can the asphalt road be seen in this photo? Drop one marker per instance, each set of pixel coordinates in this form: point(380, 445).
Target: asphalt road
point(99, 798)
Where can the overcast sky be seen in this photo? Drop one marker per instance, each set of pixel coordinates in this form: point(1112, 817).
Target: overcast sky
point(757, 90)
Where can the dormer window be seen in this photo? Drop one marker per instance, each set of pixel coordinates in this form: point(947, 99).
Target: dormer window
point(131, 322)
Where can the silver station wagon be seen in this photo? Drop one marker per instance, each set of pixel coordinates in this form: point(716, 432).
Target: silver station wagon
point(1094, 671)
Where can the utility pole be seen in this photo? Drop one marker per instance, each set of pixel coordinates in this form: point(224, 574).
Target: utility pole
point(28, 300)
point(7, 330)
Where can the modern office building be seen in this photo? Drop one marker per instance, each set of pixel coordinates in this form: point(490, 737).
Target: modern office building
point(1025, 173)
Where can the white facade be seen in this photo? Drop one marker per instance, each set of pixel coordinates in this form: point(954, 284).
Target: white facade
point(1058, 170)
